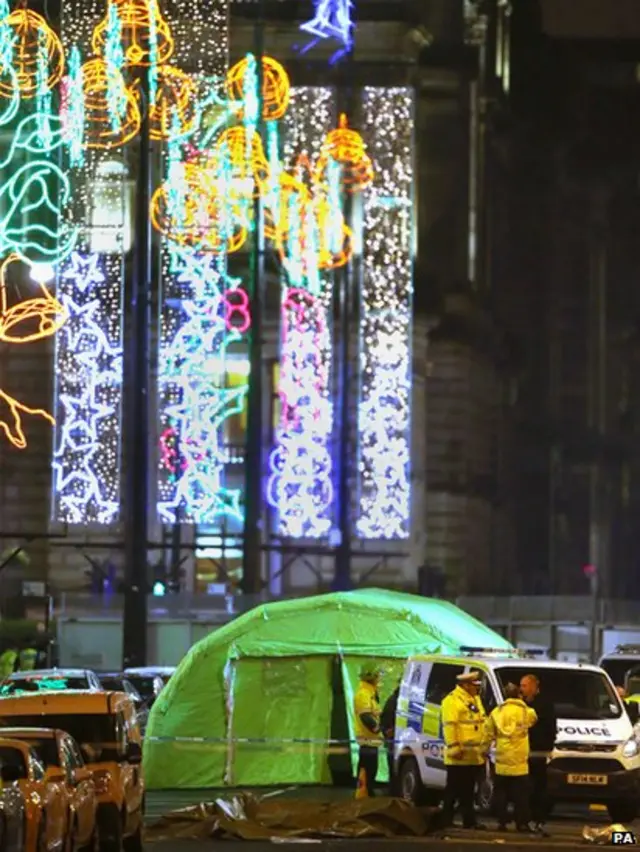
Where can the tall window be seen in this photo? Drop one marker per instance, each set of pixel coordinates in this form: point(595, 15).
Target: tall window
point(112, 209)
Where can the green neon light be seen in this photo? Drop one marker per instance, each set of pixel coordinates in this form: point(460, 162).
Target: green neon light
point(37, 188)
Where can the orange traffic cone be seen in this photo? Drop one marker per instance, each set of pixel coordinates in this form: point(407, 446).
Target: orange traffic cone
point(361, 789)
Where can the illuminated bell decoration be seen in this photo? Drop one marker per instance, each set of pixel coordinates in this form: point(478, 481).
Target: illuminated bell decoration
point(276, 88)
point(245, 157)
point(32, 36)
point(145, 33)
point(276, 220)
point(174, 104)
point(347, 148)
point(318, 217)
point(97, 79)
point(204, 221)
point(30, 319)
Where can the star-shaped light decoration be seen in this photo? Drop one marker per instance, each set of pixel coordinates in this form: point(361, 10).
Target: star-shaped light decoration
point(89, 392)
point(195, 401)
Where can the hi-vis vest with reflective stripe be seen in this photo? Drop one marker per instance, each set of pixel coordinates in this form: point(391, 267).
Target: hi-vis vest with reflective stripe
point(509, 726)
point(463, 726)
point(27, 659)
point(366, 701)
point(8, 663)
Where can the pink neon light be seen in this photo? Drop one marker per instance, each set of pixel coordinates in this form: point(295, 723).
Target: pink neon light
point(241, 308)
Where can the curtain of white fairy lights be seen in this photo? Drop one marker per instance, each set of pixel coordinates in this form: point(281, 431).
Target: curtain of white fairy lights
point(300, 479)
point(100, 113)
point(384, 405)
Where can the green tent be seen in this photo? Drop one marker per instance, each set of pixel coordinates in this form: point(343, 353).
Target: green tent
point(255, 702)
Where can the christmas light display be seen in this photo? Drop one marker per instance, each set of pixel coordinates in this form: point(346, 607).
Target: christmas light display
point(384, 407)
point(300, 485)
point(194, 400)
point(144, 31)
point(203, 311)
point(100, 107)
point(33, 44)
point(99, 114)
point(89, 371)
point(24, 321)
point(111, 113)
point(34, 192)
point(332, 19)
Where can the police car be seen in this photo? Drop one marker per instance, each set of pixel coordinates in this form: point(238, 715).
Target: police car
point(596, 758)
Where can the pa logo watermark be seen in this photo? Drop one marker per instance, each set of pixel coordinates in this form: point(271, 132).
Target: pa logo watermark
point(623, 838)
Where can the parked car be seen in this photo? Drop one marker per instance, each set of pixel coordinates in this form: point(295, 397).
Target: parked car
point(114, 682)
point(63, 762)
point(149, 681)
point(13, 812)
point(105, 726)
point(46, 815)
point(49, 680)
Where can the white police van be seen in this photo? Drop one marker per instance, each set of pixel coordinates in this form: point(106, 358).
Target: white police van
point(596, 758)
point(622, 662)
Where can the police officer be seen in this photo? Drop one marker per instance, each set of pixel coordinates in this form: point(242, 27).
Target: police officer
point(542, 740)
point(367, 724)
point(27, 659)
point(8, 662)
point(388, 728)
point(465, 747)
point(509, 726)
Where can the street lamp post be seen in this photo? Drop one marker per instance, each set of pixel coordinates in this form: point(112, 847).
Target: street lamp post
point(253, 514)
point(136, 411)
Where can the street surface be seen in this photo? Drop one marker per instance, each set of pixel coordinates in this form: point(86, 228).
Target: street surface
point(565, 830)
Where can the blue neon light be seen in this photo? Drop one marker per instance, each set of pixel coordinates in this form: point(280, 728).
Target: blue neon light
point(332, 19)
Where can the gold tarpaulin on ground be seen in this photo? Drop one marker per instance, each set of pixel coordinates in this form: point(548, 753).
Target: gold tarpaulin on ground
point(601, 835)
point(246, 817)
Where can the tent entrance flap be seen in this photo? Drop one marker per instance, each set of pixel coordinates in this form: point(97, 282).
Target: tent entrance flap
point(281, 720)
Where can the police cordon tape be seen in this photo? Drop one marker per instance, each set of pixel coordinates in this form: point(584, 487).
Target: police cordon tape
point(296, 744)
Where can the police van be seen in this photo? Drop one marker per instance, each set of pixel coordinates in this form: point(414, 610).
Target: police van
point(596, 758)
point(622, 665)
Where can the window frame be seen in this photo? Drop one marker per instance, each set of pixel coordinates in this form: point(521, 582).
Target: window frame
point(455, 669)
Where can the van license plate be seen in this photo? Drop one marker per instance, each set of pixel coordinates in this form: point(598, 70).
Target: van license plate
point(596, 780)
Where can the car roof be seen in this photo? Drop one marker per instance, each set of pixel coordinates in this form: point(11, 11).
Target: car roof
point(494, 662)
point(25, 748)
point(151, 670)
point(70, 702)
point(35, 673)
point(41, 733)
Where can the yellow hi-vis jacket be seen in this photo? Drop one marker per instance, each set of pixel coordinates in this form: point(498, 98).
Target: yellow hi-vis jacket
point(464, 728)
point(366, 701)
point(8, 663)
point(509, 726)
point(27, 660)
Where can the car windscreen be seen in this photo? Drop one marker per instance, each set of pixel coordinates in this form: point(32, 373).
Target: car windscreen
point(94, 733)
point(46, 748)
point(115, 684)
point(617, 669)
point(42, 684)
point(144, 684)
point(13, 757)
point(575, 693)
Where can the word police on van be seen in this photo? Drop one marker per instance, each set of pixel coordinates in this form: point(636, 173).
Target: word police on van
point(596, 758)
